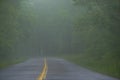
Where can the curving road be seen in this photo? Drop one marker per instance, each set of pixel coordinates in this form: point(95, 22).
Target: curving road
point(58, 69)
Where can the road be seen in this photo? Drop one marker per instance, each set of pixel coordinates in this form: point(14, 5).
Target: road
point(28, 70)
point(58, 69)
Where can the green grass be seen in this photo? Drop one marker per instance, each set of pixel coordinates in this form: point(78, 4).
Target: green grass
point(110, 67)
point(9, 62)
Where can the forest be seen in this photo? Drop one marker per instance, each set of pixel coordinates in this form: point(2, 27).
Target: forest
point(85, 32)
point(97, 31)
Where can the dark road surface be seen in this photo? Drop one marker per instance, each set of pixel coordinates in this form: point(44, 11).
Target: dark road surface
point(58, 69)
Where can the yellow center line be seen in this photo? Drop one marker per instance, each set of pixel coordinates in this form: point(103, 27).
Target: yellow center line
point(44, 71)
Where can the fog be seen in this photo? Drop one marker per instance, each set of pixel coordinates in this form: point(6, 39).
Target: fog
point(83, 31)
point(52, 29)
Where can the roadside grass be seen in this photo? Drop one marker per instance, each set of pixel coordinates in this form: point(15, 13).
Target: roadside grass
point(8, 62)
point(110, 67)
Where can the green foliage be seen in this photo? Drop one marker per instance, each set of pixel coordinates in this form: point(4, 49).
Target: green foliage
point(97, 32)
point(6, 63)
point(107, 66)
point(14, 30)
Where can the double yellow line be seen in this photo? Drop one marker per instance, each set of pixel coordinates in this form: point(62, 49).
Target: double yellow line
point(44, 71)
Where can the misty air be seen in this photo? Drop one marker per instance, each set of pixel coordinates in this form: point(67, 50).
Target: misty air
point(59, 40)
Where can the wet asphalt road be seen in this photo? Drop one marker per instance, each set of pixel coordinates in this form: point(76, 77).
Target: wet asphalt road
point(28, 70)
point(58, 69)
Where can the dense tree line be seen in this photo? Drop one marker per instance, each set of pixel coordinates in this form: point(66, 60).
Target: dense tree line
point(98, 28)
point(96, 33)
point(13, 33)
